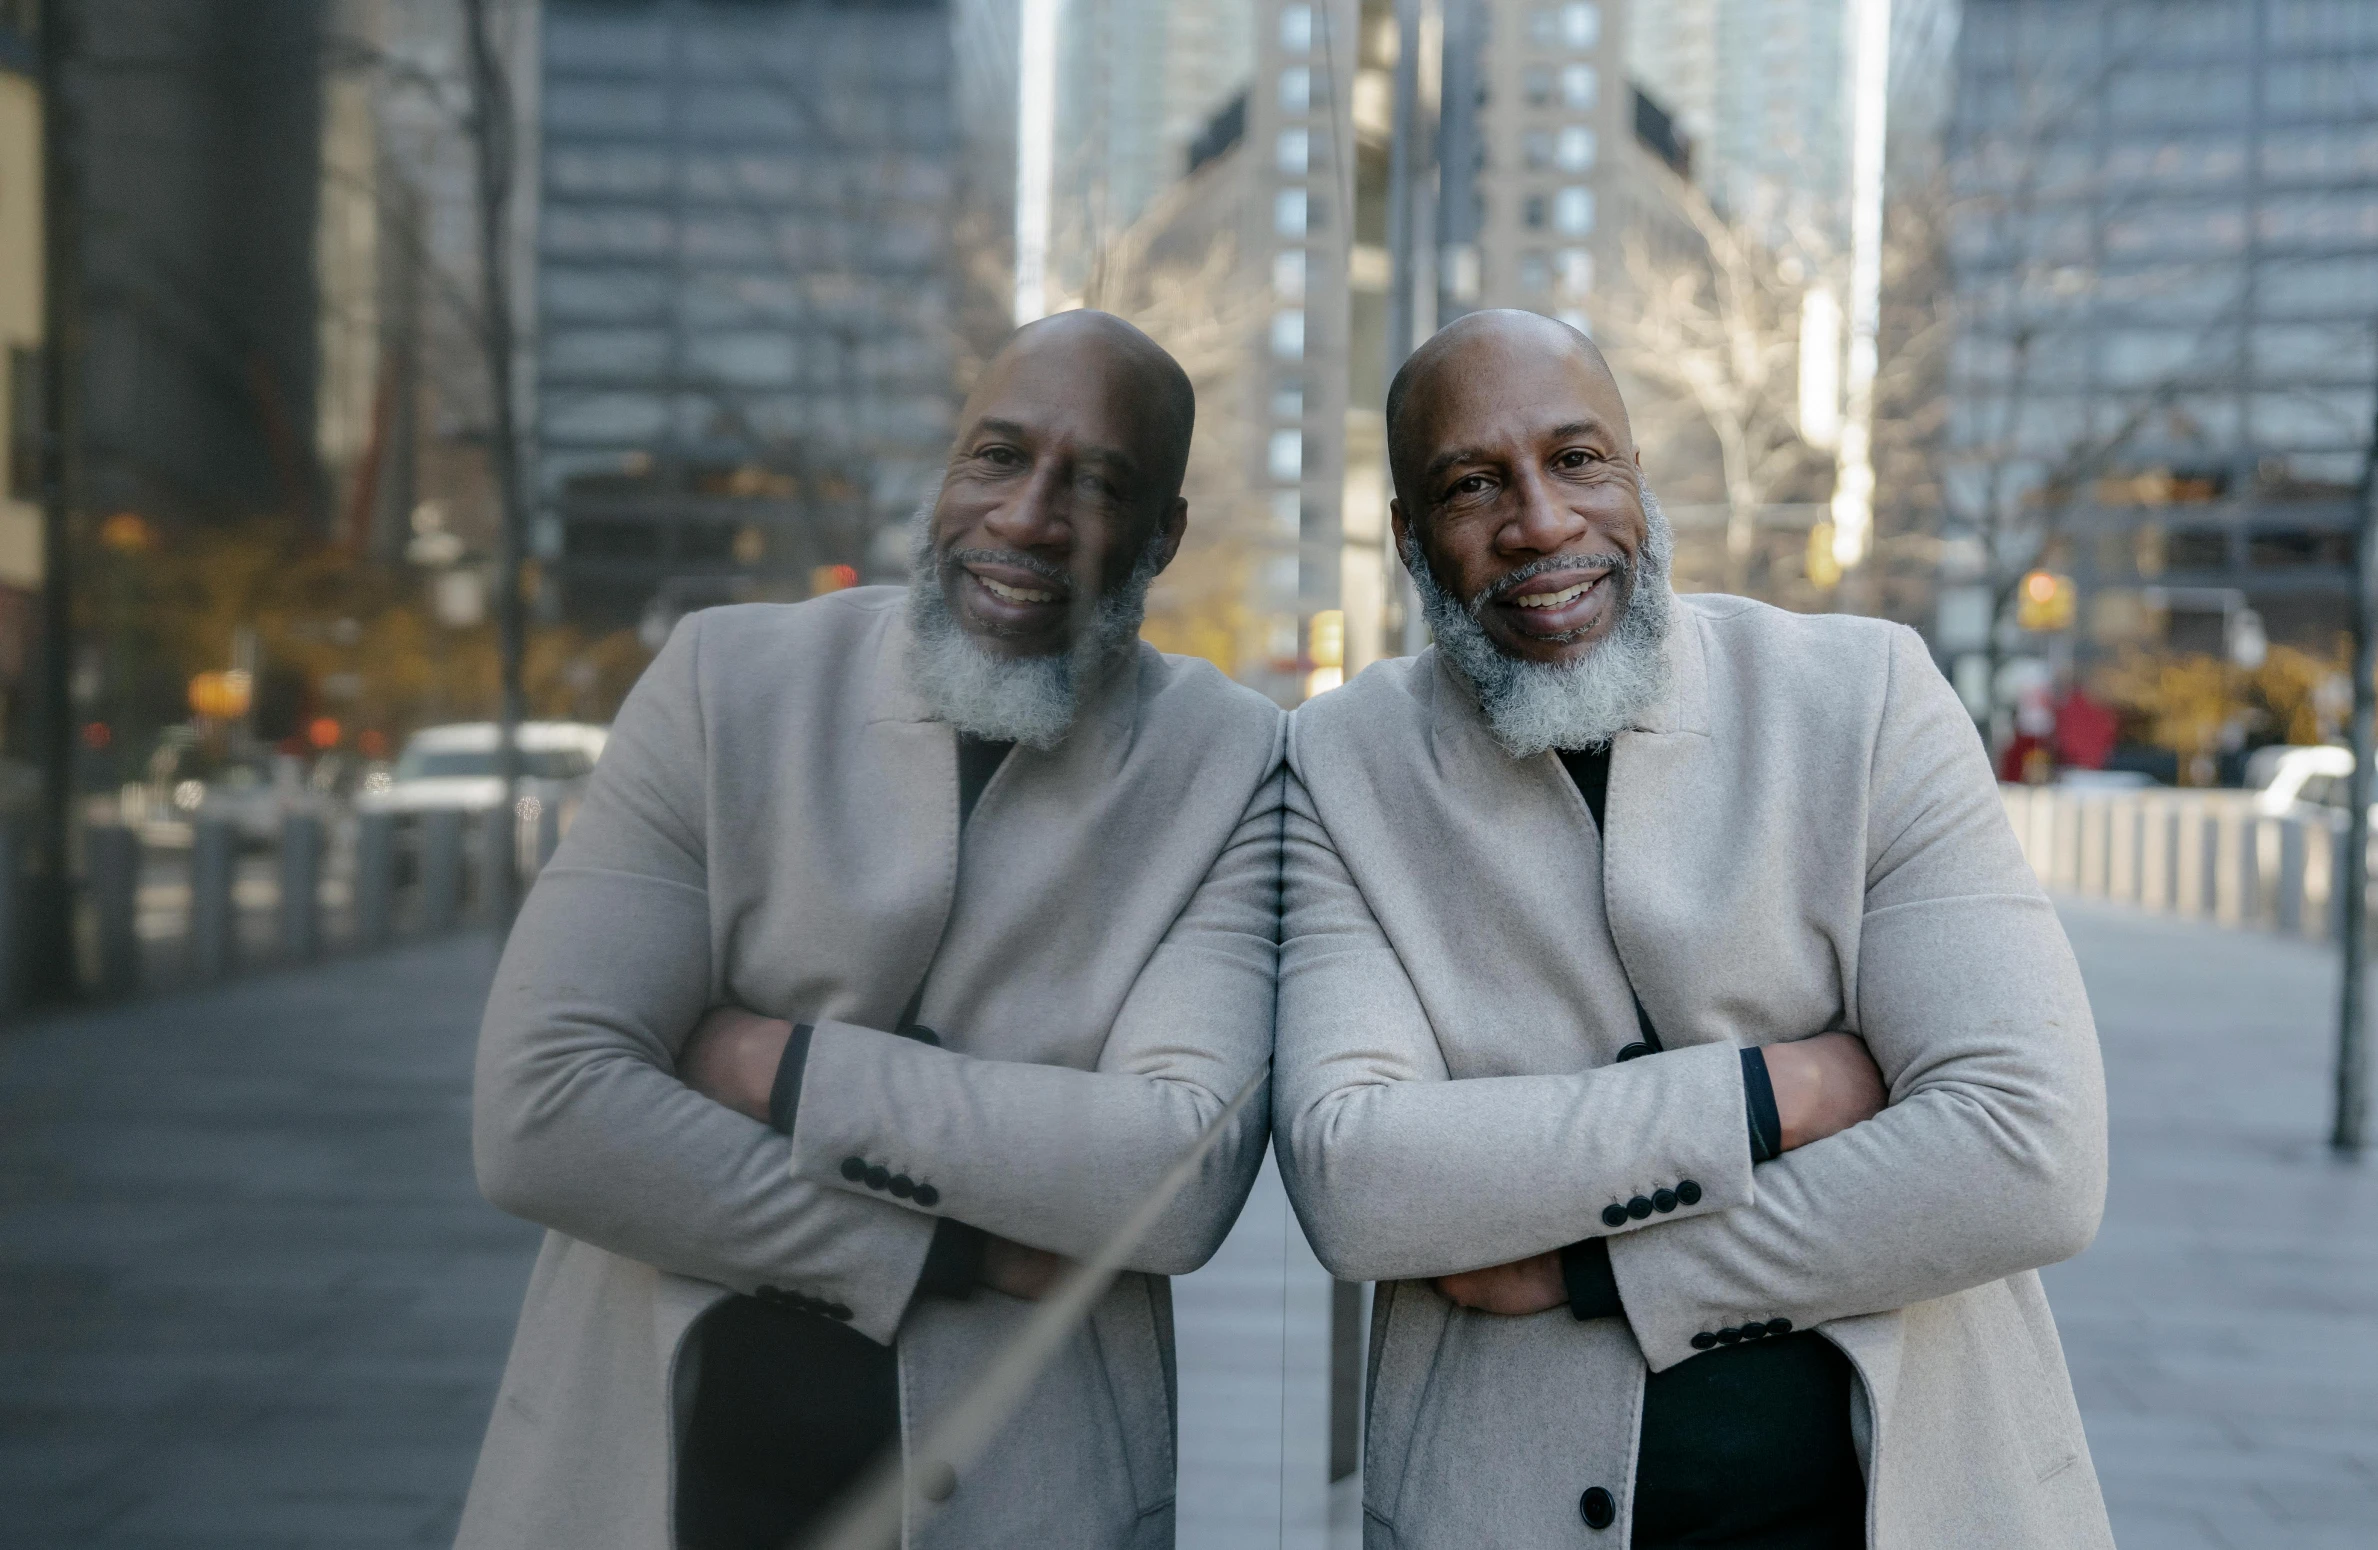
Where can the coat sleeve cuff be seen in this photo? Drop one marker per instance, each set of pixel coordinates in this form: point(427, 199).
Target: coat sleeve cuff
point(1758, 1098)
point(784, 1094)
point(859, 1120)
point(1702, 1167)
point(1593, 1290)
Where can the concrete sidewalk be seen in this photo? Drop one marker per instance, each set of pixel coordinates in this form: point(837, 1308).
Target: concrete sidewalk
point(249, 1296)
point(2223, 1330)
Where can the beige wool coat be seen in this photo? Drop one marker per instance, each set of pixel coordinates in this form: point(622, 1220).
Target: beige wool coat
point(1803, 836)
point(775, 825)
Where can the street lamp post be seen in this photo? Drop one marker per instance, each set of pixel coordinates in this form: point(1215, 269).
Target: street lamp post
point(48, 939)
point(2353, 1053)
point(494, 139)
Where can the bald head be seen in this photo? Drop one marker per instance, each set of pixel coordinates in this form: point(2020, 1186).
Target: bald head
point(1485, 342)
point(1064, 482)
point(1085, 347)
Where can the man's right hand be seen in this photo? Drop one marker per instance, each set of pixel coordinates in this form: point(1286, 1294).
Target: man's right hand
point(1823, 1086)
point(1021, 1271)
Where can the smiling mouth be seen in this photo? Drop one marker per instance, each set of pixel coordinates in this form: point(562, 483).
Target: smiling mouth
point(1555, 599)
point(1006, 593)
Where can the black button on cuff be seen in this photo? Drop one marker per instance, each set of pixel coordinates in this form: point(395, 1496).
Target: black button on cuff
point(1754, 1331)
point(1705, 1341)
point(927, 1195)
point(878, 1176)
point(1635, 1051)
point(1614, 1216)
point(1779, 1326)
point(902, 1186)
point(1598, 1507)
point(854, 1169)
point(1639, 1207)
point(1729, 1337)
point(1689, 1193)
point(1663, 1201)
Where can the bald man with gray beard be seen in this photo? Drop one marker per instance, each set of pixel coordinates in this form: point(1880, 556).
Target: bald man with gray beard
point(1670, 1023)
point(905, 941)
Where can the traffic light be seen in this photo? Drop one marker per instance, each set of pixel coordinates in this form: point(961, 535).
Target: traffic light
point(2046, 602)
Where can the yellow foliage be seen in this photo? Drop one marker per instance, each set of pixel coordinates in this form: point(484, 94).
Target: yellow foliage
point(2185, 702)
point(319, 612)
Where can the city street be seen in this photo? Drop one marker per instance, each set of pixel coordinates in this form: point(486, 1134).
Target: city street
point(250, 1298)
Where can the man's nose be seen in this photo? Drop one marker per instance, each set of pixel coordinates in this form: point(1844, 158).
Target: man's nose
point(1040, 513)
point(1540, 521)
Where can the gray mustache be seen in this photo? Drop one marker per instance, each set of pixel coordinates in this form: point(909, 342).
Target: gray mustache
point(1015, 557)
point(1616, 564)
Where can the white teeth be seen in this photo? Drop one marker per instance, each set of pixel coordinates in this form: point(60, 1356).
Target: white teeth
point(1552, 599)
point(1017, 594)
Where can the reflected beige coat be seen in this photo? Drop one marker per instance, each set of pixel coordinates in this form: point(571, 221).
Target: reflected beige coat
point(1804, 836)
point(774, 824)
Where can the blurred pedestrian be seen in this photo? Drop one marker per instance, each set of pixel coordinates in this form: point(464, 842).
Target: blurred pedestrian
point(904, 942)
point(1669, 1020)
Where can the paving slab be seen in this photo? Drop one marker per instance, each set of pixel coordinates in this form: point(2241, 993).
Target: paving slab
point(2223, 1329)
point(249, 1293)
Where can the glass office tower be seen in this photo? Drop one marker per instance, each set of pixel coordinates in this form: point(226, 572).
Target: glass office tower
point(745, 292)
point(2165, 237)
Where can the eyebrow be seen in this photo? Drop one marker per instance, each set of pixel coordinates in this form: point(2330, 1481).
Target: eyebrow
point(1444, 460)
point(1109, 457)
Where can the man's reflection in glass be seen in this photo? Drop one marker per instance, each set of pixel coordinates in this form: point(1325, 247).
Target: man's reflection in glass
point(905, 940)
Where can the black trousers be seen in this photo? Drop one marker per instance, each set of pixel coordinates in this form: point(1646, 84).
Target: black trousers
point(789, 1409)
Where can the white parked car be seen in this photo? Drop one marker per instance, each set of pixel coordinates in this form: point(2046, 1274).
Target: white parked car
point(454, 767)
point(2301, 777)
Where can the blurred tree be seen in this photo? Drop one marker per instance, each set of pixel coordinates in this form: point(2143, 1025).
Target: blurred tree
point(2200, 706)
point(1198, 304)
point(358, 640)
point(1714, 329)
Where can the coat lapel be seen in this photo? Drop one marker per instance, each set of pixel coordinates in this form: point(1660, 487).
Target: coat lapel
point(1531, 910)
point(1664, 802)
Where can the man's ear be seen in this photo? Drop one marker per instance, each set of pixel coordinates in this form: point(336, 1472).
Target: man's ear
point(1174, 524)
point(1395, 523)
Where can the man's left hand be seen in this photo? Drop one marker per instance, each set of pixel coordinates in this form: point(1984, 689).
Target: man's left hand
point(1522, 1287)
point(732, 1058)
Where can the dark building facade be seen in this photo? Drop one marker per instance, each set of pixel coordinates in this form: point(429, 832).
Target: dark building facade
point(744, 295)
point(197, 137)
point(2165, 242)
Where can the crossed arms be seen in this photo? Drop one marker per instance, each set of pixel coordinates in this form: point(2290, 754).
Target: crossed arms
point(1986, 1158)
point(582, 1121)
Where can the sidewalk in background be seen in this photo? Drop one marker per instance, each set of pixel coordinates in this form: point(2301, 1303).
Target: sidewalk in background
point(249, 1295)
point(2223, 1330)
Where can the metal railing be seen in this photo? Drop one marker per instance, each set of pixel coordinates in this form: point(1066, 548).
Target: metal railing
point(164, 905)
point(2206, 855)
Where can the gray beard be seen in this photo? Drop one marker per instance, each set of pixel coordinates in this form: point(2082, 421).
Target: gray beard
point(1027, 700)
point(1531, 707)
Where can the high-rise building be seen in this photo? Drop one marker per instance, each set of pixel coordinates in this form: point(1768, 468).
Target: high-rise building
point(1762, 89)
point(1560, 164)
point(198, 149)
point(1249, 266)
point(2166, 266)
point(745, 295)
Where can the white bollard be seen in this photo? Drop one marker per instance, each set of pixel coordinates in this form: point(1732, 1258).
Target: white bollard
point(301, 887)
